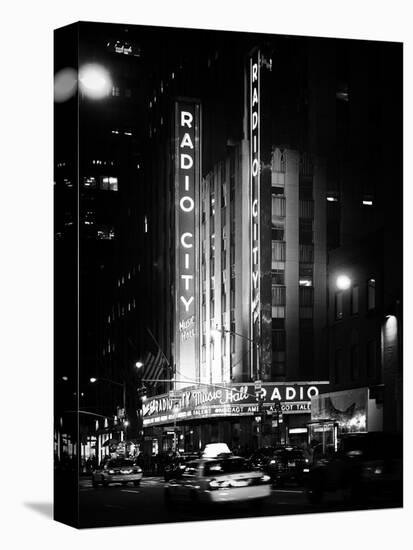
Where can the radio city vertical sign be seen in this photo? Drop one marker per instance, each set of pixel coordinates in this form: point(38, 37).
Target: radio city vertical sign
point(255, 168)
point(187, 184)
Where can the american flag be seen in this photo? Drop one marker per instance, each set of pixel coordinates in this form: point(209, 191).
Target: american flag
point(154, 366)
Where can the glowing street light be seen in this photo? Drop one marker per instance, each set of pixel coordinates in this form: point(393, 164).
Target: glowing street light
point(94, 81)
point(343, 282)
point(138, 364)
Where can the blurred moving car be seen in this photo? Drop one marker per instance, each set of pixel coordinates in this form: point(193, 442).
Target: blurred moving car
point(117, 470)
point(224, 479)
point(366, 467)
point(286, 465)
point(176, 467)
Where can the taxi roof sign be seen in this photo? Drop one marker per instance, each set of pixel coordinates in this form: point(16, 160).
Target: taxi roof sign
point(212, 450)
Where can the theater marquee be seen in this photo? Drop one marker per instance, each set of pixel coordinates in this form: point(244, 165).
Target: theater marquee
point(187, 181)
point(230, 400)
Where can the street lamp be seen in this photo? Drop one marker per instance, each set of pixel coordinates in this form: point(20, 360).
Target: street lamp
point(343, 282)
point(94, 81)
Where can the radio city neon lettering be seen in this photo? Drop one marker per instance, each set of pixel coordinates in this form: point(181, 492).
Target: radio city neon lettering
point(186, 178)
point(187, 205)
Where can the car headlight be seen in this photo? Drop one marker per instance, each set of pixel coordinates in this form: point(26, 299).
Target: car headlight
point(137, 471)
point(265, 479)
point(217, 484)
point(272, 461)
point(111, 471)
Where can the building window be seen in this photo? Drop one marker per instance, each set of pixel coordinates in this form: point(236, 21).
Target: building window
point(339, 305)
point(278, 206)
point(277, 251)
point(278, 340)
point(278, 312)
point(278, 277)
point(108, 183)
point(277, 190)
point(305, 275)
point(371, 358)
point(306, 296)
point(89, 182)
point(306, 231)
point(355, 300)
point(277, 233)
point(306, 187)
point(306, 253)
point(306, 209)
point(338, 365)
point(371, 294)
point(278, 295)
point(354, 362)
point(106, 233)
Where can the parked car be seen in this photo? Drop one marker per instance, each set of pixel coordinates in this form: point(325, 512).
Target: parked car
point(286, 465)
point(225, 479)
point(260, 458)
point(366, 466)
point(117, 470)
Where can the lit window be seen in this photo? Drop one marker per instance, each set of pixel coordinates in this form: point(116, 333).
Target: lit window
point(108, 183)
point(89, 182)
point(330, 198)
point(105, 233)
point(368, 200)
point(146, 224)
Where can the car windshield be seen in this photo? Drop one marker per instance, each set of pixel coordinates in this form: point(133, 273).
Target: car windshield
point(226, 466)
point(289, 455)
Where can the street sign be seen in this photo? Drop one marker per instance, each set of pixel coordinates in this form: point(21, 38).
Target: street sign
point(257, 385)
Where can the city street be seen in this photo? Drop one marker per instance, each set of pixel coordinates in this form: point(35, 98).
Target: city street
point(129, 505)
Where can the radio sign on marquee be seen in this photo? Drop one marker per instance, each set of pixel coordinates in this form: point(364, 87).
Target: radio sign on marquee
point(187, 174)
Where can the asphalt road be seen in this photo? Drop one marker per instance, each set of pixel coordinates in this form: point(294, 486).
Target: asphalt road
point(129, 505)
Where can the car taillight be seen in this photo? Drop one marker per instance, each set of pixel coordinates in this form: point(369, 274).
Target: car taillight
point(218, 484)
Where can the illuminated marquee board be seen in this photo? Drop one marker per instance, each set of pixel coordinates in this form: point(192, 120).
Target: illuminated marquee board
point(187, 178)
point(231, 400)
point(255, 167)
